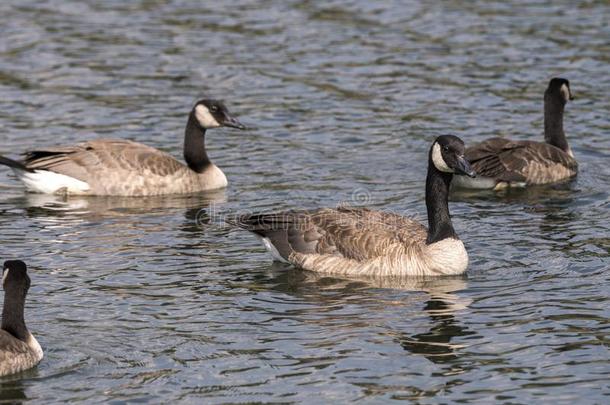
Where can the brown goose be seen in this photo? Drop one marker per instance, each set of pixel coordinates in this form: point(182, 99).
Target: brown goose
point(502, 163)
point(19, 350)
point(125, 168)
point(358, 241)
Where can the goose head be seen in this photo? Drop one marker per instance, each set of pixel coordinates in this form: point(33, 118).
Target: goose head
point(213, 114)
point(15, 276)
point(559, 88)
point(447, 156)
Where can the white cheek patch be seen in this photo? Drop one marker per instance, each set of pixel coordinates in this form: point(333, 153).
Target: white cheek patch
point(5, 275)
point(205, 118)
point(565, 92)
point(437, 159)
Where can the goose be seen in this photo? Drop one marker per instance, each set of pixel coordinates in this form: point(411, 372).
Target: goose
point(19, 350)
point(354, 241)
point(124, 168)
point(502, 163)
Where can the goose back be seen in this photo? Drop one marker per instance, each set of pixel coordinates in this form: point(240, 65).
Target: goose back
point(352, 233)
point(122, 167)
point(519, 162)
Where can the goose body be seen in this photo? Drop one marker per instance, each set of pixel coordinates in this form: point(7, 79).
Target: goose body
point(19, 349)
point(363, 242)
point(125, 168)
point(502, 163)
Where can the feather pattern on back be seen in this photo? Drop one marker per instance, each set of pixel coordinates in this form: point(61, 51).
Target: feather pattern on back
point(521, 161)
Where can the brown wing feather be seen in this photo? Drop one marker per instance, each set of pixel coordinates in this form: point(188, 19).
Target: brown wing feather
point(361, 234)
point(520, 161)
point(353, 233)
point(87, 159)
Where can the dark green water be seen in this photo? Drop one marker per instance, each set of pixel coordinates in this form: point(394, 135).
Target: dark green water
point(154, 300)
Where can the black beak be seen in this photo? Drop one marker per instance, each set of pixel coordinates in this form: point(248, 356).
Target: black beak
point(232, 122)
point(463, 167)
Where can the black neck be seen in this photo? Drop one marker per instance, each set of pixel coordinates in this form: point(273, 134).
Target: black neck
point(194, 145)
point(437, 202)
point(12, 314)
point(553, 122)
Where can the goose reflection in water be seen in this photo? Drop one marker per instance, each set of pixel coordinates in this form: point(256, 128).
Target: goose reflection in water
point(435, 344)
point(12, 390)
point(44, 205)
point(442, 305)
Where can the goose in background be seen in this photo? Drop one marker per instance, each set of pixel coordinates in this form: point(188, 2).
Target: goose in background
point(19, 350)
point(362, 242)
point(502, 163)
point(124, 168)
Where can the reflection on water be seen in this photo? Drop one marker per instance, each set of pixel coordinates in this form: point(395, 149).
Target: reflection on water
point(12, 391)
point(435, 344)
point(116, 206)
point(442, 304)
point(157, 300)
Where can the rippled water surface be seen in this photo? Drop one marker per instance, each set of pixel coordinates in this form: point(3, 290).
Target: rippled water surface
point(155, 300)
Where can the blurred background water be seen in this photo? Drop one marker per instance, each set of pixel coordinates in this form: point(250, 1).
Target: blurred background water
point(155, 300)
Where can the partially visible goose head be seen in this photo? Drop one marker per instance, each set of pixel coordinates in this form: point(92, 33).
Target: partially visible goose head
point(558, 90)
point(16, 283)
point(447, 156)
point(19, 350)
point(15, 277)
point(213, 114)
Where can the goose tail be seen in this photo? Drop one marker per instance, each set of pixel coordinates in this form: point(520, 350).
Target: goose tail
point(281, 233)
point(14, 164)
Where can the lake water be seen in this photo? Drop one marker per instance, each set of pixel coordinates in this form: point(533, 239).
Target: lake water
point(155, 300)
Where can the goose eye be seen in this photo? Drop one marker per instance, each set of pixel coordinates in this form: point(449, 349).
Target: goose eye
point(446, 148)
point(213, 108)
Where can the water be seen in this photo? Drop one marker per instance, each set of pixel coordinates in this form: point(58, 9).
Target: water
point(154, 300)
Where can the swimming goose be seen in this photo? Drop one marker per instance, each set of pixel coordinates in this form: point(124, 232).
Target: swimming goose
point(502, 163)
point(125, 168)
point(19, 350)
point(359, 241)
